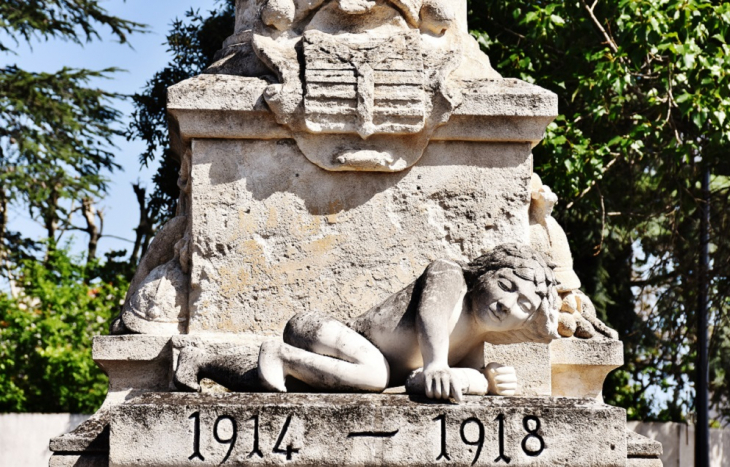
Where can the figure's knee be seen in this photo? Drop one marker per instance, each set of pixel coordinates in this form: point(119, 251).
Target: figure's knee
point(303, 329)
point(377, 372)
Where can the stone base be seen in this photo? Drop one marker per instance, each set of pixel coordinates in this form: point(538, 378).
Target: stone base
point(79, 460)
point(175, 429)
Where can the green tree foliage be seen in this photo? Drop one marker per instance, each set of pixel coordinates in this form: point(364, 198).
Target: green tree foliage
point(47, 329)
point(56, 150)
point(644, 97)
point(55, 136)
point(55, 130)
point(59, 19)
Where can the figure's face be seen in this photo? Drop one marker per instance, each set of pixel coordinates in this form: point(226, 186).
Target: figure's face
point(503, 301)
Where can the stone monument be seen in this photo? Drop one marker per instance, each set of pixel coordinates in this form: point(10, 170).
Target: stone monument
point(363, 268)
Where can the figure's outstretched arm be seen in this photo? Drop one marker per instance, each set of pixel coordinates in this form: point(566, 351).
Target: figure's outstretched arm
point(439, 307)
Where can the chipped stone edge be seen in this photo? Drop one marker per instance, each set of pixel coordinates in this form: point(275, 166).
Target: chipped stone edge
point(233, 107)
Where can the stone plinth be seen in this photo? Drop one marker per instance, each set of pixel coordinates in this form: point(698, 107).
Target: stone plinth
point(361, 430)
point(580, 367)
point(274, 234)
point(568, 367)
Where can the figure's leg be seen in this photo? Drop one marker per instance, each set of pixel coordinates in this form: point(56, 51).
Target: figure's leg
point(323, 353)
point(233, 368)
point(188, 366)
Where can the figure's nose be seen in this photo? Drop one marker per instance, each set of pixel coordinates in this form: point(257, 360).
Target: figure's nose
point(506, 303)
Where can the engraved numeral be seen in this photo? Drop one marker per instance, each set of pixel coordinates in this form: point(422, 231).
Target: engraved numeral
point(289, 449)
point(501, 457)
point(444, 453)
point(231, 440)
point(255, 451)
point(196, 437)
point(479, 442)
point(532, 434)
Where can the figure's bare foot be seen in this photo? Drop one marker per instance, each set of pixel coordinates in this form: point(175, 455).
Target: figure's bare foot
point(271, 366)
point(188, 366)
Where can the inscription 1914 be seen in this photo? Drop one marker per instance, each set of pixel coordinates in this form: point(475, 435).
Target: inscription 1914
point(532, 433)
point(289, 451)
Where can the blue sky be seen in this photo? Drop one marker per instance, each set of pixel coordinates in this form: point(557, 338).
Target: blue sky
point(146, 55)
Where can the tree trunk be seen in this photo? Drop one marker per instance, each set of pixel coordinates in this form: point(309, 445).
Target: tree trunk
point(50, 217)
point(144, 230)
point(3, 225)
point(90, 213)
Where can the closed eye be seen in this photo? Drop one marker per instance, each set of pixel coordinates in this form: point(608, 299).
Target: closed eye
point(507, 286)
point(526, 305)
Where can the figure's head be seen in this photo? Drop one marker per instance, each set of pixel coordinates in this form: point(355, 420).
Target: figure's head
point(513, 291)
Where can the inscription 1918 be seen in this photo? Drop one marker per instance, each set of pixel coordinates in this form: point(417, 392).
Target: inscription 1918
point(532, 433)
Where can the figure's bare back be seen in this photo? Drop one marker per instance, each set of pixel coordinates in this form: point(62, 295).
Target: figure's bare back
point(392, 326)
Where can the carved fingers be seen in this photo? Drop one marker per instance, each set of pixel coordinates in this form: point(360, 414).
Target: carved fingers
point(502, 379)
point(442, 383)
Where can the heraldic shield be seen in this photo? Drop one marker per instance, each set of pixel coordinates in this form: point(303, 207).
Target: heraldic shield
point(366, 87)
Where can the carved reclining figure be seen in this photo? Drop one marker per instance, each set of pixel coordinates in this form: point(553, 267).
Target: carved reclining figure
point(508, 295)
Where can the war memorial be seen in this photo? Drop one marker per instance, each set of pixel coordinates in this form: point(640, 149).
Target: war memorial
point(363, 270)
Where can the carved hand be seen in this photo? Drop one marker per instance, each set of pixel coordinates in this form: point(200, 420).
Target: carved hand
point(502, 379)
point(442, 382)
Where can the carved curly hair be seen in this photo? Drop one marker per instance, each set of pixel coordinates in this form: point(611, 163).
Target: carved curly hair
point(530, 265)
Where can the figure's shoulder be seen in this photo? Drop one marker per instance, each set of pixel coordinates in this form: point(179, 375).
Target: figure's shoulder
point(445, 267)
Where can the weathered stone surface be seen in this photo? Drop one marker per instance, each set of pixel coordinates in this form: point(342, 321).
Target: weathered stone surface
point(579, 367)
point(90, 436)
point(274, 235)
point(129, 348)
point(640, 446)
point(586, 352)
point(79, 460)
point(531, 362)
point(379, 88)
point(643, 462)
point(233, 107)
point(360, 430)
point(135, 364)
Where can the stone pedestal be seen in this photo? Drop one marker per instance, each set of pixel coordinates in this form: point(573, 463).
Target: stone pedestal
point(142, 366)
point(163, 430)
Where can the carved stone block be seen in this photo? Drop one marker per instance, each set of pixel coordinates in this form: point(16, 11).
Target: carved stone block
point(531, 362)
point(364, 430)
point(274, 235)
